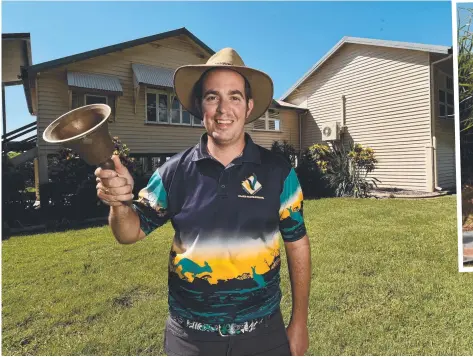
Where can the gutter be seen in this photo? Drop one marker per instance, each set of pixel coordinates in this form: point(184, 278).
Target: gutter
point(27, 88)
point(433, 118)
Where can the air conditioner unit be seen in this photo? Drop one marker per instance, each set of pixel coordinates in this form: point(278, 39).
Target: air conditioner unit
point(331, 131)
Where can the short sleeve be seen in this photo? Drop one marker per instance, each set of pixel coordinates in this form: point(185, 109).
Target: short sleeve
point(152, 204)
point(291, 219)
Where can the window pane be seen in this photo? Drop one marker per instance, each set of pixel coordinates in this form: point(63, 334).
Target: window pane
point(163, 108)
point(196, 121)
point(259, 124)
point(175, 116)
point(176, 104)
point(186, 117)
point(450, 111)
point(151, 107)
point(276, 125)
point(450, 83)
point(271, 125)
point(450, 98)
point(92, 99)
point(442, 110)
point(441, 96)
point(175, 111)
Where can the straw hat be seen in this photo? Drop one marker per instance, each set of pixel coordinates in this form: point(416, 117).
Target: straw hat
point(261, 84)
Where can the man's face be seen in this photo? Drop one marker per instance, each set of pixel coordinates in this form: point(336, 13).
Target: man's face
point(224, 108)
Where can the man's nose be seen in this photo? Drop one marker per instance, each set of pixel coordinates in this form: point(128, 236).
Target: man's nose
point(223, 106)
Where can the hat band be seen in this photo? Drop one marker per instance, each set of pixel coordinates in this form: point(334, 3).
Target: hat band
point(224, 63)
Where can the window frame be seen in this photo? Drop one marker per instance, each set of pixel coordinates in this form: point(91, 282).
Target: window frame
point(444, 101)
point(267, 119)
point(170, 98)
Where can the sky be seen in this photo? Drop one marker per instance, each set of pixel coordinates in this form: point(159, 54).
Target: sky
point(283, 39)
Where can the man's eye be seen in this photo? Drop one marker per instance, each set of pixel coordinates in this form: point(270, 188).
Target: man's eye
point(210, 98)
point(236, 98)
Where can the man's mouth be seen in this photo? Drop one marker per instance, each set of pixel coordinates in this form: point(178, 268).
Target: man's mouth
point(224, 121)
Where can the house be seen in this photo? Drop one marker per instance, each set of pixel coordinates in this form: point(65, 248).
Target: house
point(16, 54)
point(136, 79)
point(394, 97)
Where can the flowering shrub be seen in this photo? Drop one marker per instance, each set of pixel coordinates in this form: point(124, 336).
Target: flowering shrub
point(346, 170)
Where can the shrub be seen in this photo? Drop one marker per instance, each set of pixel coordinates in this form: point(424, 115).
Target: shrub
point(286, 150)
point(311, 178)
point(346, 170)
point(72, 181)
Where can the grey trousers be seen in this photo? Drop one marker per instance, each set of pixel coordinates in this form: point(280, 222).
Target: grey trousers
point(268, 339)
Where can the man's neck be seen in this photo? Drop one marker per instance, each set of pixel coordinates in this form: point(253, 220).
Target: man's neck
point(225, 154)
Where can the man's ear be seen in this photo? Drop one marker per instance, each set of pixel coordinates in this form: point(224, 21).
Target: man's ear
point(250, 108)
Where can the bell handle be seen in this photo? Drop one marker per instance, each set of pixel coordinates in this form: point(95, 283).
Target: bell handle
point(110, 165)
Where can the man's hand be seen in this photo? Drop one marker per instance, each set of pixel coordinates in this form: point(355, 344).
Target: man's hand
point(298, 336)
point(114, 187)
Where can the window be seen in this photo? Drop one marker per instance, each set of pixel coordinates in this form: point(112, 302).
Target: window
point(269, 122)
point(149, 164)
point(95, 99)
point(164, 108)
point(446, 102)
point(79, 98)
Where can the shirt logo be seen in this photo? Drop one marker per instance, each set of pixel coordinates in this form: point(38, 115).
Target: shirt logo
point(251, 184)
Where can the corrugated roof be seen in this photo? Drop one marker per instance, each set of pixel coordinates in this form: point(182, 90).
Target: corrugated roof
point(94, 81)
point(154, 76)
point(371, 42)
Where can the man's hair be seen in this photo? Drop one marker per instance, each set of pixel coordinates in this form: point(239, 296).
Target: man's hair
point(198, 87)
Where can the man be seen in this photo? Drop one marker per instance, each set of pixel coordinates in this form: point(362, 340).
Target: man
point(227, 199)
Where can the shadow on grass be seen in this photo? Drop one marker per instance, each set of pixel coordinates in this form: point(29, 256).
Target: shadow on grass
point(54, 227)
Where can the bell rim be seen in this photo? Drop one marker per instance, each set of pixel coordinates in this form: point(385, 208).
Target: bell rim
point(55, 123)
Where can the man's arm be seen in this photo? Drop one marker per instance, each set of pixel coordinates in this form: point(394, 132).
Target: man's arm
point(130, 220)
point(299, 264)
point(125, 224)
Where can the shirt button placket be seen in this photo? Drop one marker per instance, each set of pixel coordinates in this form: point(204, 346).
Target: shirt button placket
point(223, 183)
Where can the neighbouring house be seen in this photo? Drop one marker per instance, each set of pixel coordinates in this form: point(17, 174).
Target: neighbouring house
point(135, 79)
point(395, 97)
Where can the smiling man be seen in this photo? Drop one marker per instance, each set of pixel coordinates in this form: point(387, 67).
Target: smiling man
point(228, 200)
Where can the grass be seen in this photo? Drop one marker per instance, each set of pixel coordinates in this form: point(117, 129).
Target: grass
point(385, 281)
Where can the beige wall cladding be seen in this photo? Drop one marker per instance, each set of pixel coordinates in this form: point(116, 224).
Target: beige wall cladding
point(387, 107)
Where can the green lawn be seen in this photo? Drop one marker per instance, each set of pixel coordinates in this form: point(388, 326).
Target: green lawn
point(385, 282)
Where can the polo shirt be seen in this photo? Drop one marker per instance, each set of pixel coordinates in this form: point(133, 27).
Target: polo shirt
point(225, 257)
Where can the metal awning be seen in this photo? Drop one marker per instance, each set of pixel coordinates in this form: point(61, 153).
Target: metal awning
point(94, 81)
point(153, 76)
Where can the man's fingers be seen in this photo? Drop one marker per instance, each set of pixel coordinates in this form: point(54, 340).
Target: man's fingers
point(114, 200)
point(114, 182)
point(105, 174)
point(114, 191)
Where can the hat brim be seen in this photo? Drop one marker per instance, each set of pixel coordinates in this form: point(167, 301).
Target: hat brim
point(261, 85)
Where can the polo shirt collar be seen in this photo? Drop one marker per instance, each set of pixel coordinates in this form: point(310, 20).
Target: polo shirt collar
point(251, 152)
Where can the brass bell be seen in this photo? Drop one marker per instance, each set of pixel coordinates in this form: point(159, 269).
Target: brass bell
point(85, 131)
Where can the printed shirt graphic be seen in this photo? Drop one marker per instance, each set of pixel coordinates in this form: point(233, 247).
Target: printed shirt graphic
point(225, 258)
